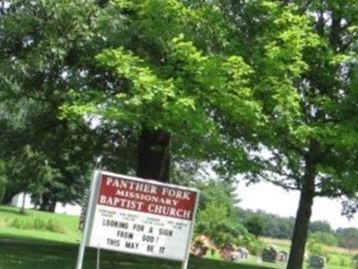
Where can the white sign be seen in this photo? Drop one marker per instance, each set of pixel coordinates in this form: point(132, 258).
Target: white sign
point(142, 234)
point(139, 216)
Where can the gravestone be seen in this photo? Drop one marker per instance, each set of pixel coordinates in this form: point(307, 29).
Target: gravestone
point(316, 262)
point(270, 254)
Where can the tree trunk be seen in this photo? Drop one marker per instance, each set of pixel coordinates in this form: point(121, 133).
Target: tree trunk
point(300, 232)
point(47, 203)
point(153, 155)
point(22, 209)
point(9, 194)
point(304, 211)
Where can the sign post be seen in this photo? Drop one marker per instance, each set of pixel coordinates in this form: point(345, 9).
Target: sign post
point(186, 260)
point(87, 221)
point(138, 216)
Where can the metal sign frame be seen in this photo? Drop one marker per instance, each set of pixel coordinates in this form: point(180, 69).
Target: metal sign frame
point(91, 208)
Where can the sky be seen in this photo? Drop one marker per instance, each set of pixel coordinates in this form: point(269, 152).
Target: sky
point(273, 199)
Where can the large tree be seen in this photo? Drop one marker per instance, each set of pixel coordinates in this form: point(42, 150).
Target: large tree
point(40, 44)
point(310, 143)
point(187, 74)
point(177, 75)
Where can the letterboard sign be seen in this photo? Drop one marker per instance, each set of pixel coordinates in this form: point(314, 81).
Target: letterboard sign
point(142, 217)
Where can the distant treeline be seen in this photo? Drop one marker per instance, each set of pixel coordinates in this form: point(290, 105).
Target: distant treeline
point(264, 224)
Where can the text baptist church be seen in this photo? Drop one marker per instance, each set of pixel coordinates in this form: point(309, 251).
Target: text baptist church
point(140, 196)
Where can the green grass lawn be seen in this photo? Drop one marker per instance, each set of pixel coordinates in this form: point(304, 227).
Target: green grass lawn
point(38, 225)
point(41, 240)
point(16, 254)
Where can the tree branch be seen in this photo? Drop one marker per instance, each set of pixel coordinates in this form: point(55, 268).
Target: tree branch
point(345, 45)
point(280, 183)
point(329, 194)
point(323, 155)
point(347, 25)
point(304, 7)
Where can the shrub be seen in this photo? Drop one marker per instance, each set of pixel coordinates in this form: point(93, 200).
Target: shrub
point(345, 262)
point(315, 248)
point(37, 224)
point(325, 238)
point(253, 244)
